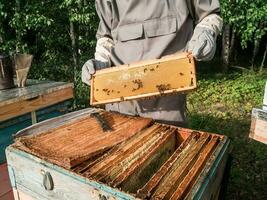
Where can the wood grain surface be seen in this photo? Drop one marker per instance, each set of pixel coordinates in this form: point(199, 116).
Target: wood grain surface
point(18, 101)
point(167, 75)
point(75, 142)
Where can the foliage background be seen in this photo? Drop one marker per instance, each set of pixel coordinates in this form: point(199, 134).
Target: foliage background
point(61, 35)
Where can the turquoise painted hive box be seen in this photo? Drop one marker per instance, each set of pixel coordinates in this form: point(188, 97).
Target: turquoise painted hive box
point(74, 157)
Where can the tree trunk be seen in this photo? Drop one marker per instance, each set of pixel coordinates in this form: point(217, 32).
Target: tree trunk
point(75, 57)
point(256, 46)
point(264, 57)
point(18, 34)
point(255, 52)
point(232, 46)
point(1, 37)
point(226, 47)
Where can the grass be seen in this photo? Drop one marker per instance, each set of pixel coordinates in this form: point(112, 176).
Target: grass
point(222, 104)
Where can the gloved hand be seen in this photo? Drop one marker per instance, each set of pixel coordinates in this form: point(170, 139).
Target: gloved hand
point(101, 61)
point(90, 67)
point(202, 44)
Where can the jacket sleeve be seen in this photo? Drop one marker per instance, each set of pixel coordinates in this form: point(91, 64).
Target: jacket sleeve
point(104, 11)
point(199, 9)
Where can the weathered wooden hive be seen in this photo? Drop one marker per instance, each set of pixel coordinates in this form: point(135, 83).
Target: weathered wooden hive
point(137, 159)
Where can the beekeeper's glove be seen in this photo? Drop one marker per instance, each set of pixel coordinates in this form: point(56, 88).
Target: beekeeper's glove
point(203, 42)
point(102, 59)
point(90, 67)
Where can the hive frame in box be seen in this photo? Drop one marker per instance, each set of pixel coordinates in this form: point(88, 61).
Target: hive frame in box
point(144, 79)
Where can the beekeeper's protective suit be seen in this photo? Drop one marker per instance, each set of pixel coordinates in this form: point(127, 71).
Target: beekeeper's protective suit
point(134, 30)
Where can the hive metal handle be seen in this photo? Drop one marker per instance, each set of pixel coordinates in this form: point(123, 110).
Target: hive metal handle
point(47, 181)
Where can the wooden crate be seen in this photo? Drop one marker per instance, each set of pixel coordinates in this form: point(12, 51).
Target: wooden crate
point(175, 73)
point(258, 130)
point(36, 178)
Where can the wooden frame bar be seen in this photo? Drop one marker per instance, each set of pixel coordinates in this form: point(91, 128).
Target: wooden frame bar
point(166, 143)
point(128, 147)
point(151, 185)
point(195, 170)
point(179, 170)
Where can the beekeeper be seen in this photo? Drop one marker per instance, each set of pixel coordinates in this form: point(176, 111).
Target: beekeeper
point(134, 30)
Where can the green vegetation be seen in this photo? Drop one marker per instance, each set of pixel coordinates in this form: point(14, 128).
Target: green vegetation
point(245, 22)
point(222, 104)
point(60, 34)
point(246, 17)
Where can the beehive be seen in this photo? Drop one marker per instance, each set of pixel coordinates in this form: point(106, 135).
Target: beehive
point(175, 73)
point(148, 161)
point(258, 125)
